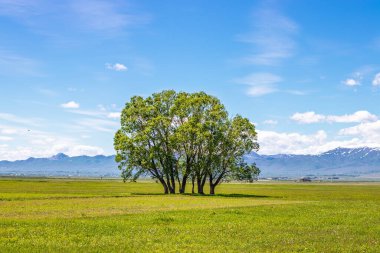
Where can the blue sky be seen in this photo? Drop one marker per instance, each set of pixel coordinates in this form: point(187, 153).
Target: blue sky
point(307, 73)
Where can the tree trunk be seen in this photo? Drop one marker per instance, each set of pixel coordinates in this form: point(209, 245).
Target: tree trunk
point(203, 182)
point(171, 188)
point(193, 182)
point(200, 186)
point(172, 179)
point(212, 189)
point(183, 185)
point(212, 186)
point(166, 189)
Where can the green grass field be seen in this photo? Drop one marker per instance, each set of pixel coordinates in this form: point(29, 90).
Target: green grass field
point(57, 215)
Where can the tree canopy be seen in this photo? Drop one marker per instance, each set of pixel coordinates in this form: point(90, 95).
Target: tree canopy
point(174, 137)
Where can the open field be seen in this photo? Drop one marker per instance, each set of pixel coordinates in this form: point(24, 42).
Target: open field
point(42, 215)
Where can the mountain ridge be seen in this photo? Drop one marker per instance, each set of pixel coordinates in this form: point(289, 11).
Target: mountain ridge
point(340, 161)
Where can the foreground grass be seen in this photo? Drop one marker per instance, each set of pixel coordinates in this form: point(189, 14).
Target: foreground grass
point(109, 216)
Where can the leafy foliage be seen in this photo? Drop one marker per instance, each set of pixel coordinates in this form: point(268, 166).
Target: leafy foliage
point(176, 136)
point(247, 172)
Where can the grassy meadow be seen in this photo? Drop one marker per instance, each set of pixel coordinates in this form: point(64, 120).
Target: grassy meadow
point(74, 215)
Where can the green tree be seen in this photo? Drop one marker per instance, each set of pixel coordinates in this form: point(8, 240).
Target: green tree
point(199, 116)
point(247, 172)
point(143, 143)
point(237, 138)
point(176, 136)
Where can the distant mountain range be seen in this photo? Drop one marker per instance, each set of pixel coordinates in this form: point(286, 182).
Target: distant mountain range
point(341, 161)
point(63, 165)
point(358, 162)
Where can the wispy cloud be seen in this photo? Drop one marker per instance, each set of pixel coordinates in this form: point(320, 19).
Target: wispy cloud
point(271, 38)
point(20, 8)
point(70, 105)
point(297, 92)
point(367, 130)
point(24, 141)
point(270, 122)
point(355, 79)
point(272, 142)
point(20, 120)
point(351, 82)
point(103, 119)
point(70, 17)
point(260, 83)
point(359, 76)
point(11, 63)
point(114, 115)
point(376, 43)
point(376, 80)
point(47, 92)
point(116, 67)
point(101, 125)
point(364, 135)
point(105, 15)
point(97, 113)
point(312, 117)
point(5, 138)
point(44, 144)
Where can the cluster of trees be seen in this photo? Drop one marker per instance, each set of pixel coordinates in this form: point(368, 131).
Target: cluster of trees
point(178, 137)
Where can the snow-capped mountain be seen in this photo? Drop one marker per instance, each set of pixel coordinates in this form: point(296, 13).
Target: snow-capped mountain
point(63, 165)
point(341, 161)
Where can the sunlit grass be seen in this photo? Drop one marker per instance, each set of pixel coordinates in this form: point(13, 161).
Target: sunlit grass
point(42, 215)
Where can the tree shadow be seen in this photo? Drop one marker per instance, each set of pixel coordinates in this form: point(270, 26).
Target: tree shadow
point(240, 195)
point(149, 194)
point(230, 195)
point(223, 195)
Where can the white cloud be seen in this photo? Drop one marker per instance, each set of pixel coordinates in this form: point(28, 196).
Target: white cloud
point(351, 82)
point(5, 138)
point(47, 92)
point(357, 117)
point(38, 143)
point(307, 117)
point(116, 67)
point(70, 105)
point(102, 112)
point(18, 8)
point(11, 63)
point(9, 131)
point(114, 115)
point(102, 107)
point(376, 80)
point(360, 74)
point(270, 122)
point(367, 134)
point(105, 15)
point(368, 130)
point(312, 117)
point(290, 143)
point(271, 38)
point(92, 113)
point(101, 125)
point(260, 83)
point(20, 120)
point(295, 143)
point(256, 91)
point(84, 150)
point(96, 15)
point(24, 152)
point(297, 92)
